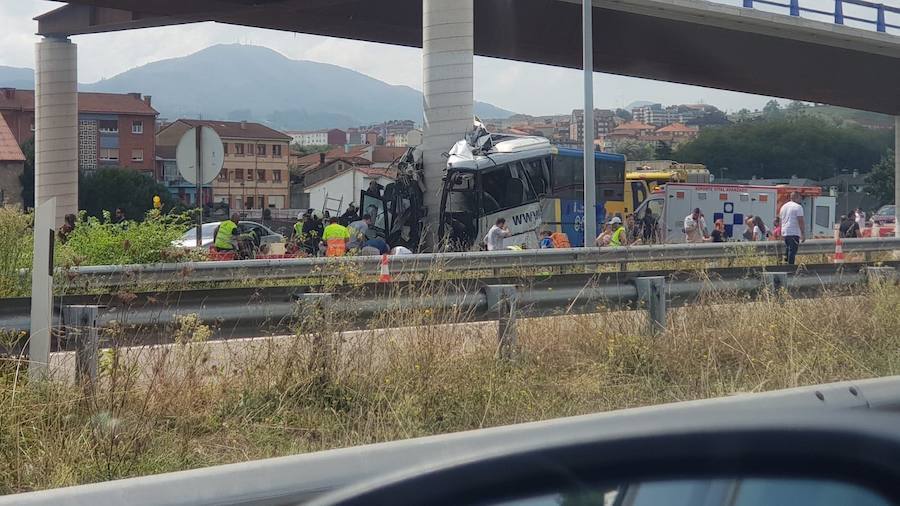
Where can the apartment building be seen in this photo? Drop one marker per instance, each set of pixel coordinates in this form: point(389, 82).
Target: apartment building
point(604, 123)
point(255, 173)
point(333, 137)
point(114, 129)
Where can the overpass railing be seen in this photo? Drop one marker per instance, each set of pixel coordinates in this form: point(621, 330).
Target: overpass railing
point(876, 11)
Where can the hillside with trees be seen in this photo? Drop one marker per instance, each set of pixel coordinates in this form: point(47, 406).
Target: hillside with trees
point(787, 142)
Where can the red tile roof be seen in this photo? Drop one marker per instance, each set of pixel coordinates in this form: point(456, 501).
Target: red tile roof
point(677, 127)
point(634, 125)
point(333, 154)
point(9, 149)
point(387, 154)
point(98, 103)
point(239, 129)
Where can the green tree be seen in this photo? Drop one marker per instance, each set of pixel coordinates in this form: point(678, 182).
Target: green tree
point(27, 177)
point(107, 189)
point(635, 149)
point(880, 182)
point(308, 150)
point(664, 151)
point(803, 145)
point(772, 108)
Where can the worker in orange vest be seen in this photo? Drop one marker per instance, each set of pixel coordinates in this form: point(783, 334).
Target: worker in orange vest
point(335, 237)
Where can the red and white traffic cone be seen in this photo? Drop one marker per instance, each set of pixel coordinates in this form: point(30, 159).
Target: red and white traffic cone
point(838, 251)
point(385, 270)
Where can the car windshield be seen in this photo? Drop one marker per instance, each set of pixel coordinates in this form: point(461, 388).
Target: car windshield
point(887, 211)
point(207, 231)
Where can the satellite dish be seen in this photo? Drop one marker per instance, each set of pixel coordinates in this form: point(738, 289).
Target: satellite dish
point(212, 155)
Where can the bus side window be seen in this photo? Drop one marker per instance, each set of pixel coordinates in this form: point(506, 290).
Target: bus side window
point(534, 169)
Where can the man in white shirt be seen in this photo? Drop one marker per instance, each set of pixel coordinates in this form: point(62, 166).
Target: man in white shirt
point(694, 227)
point(792, 227)
point(495, 236)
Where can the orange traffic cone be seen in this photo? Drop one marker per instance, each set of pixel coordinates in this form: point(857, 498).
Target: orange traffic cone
point(385, 270)
point(838, 251)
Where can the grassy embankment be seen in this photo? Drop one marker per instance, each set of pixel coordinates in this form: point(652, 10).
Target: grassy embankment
point(191, 406)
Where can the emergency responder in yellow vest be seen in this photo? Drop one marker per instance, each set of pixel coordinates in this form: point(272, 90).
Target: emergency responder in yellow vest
point(335, 237)
point(226, 239)
point(619, 236)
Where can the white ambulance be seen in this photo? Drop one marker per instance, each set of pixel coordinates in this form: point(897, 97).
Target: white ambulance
point(732, 204)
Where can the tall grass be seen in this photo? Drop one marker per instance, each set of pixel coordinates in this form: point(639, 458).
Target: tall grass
point(197, 403)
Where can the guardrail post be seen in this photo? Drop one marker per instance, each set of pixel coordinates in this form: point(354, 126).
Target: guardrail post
point(652, 295)
point(878, 275)
point(774, 281)
point(880, 24)
point(748, 4)
point(503, 299)
point(313, 307)
point(81, 328)
point(838, 12)
point(795, 7)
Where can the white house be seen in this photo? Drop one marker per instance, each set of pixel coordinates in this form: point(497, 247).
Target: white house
point(344, 187)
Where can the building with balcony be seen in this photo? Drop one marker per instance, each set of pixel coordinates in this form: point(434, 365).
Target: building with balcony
point(255, 172)
point(12, 164)
point(114, 129)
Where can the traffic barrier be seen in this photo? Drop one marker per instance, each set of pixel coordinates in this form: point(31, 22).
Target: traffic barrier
point(385, 270)
point(838, 251)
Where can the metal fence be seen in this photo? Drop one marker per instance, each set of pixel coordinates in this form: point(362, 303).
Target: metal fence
point(870, 14)
point(242, 270)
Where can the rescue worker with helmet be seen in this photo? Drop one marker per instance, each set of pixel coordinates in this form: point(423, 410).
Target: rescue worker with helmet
point(335, 238)
point(619, 235)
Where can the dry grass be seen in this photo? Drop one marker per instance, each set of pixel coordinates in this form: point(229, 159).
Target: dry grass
point(197, 403)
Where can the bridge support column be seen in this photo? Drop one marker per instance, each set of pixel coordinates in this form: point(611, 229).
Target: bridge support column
point(448, 47)
point(56, 125)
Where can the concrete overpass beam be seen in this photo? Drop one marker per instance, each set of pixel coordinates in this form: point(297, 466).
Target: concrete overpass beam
point(56, 125)
point(448, 48)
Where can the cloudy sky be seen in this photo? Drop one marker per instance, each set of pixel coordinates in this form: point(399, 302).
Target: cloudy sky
point(520, 87)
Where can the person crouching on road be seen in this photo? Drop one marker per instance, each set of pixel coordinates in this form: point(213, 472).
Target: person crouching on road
point(226, 238)
point(546, 239)
point(335, 237)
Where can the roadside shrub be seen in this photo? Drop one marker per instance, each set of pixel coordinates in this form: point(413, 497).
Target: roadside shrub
point(15, 250)
point(101, 242)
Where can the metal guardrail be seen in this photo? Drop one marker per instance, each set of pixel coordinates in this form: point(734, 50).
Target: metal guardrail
point(252, 312)
point(299, 478)
point(877, 10)
point(241, 270)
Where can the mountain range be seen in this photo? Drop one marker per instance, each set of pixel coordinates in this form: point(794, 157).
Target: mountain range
point(243, 82)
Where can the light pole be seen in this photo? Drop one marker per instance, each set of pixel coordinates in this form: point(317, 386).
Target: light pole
point(590, 188)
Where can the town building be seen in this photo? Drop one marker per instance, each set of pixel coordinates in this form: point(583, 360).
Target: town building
point(168, 174)
point(331, 180)
point(332, 137)
point(255, 172)
point(402, 140)
point(12, 165)
point(675, 134)
point(604, 123)
point(114, 129)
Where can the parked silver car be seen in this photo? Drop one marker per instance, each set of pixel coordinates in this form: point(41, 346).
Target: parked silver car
point(261, 233)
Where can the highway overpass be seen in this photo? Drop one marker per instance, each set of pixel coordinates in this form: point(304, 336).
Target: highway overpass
point(684, 41)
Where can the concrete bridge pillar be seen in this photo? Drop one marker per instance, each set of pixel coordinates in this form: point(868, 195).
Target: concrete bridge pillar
point(56, 125)
point(448, 47)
